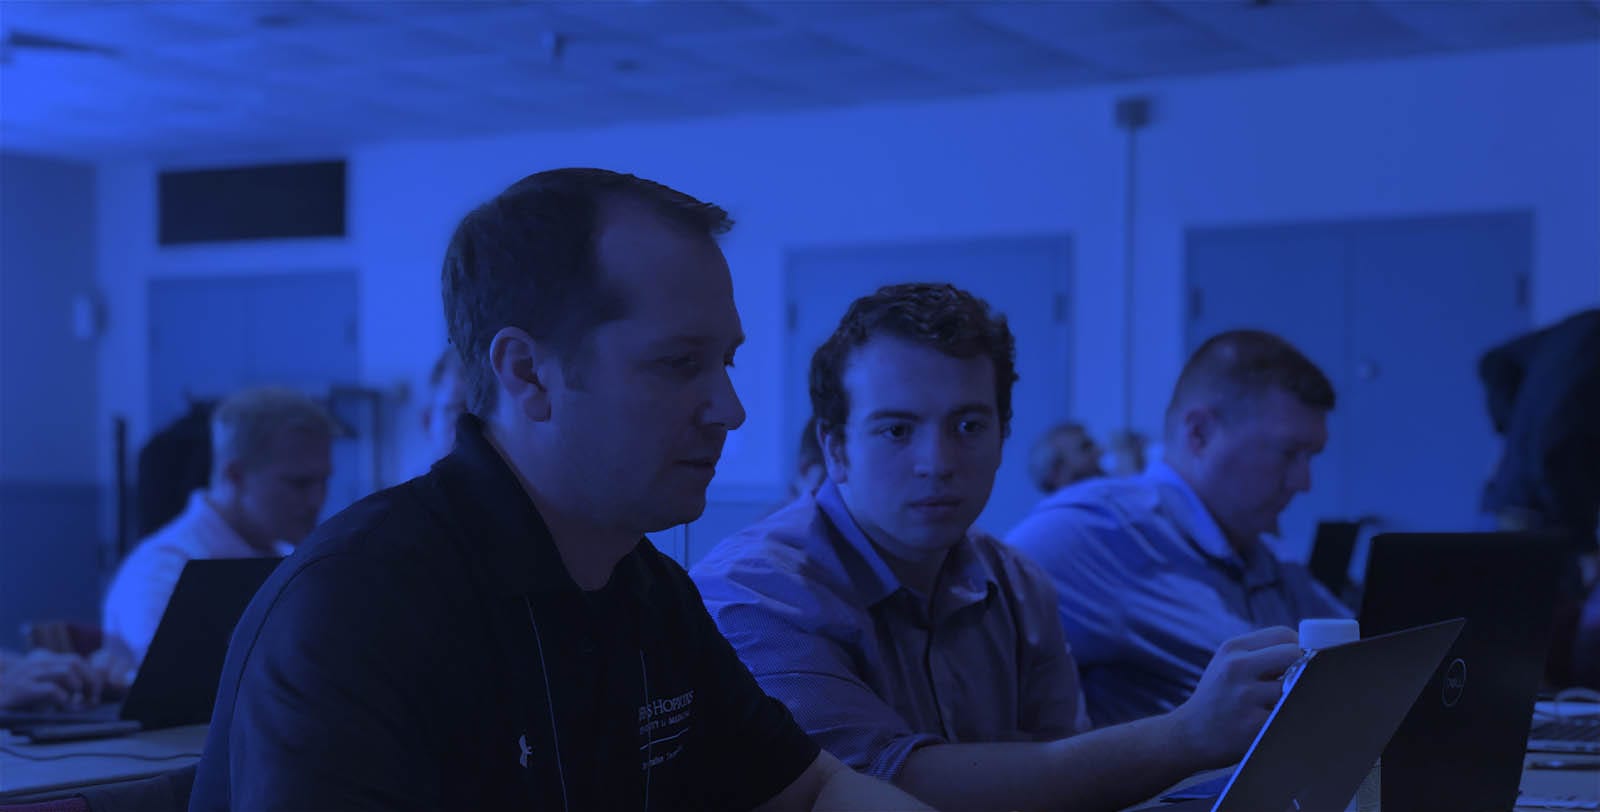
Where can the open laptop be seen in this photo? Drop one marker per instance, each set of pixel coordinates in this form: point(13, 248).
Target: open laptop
point(1461, 747)
point(1331, 550)
point(1326, 732)
point(177, 683)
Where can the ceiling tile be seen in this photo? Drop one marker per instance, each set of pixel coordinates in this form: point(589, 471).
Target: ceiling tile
point(1493, 24)
point(295, 75)
point(970, 56)
point(1303, 31)
point(816, 14)
point(655, 18)
point(808, 61)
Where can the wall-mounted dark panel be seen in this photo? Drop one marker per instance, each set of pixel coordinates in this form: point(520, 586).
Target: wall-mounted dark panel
point(252, 203)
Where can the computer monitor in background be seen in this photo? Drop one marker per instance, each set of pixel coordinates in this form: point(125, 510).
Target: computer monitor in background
point(1331, 549)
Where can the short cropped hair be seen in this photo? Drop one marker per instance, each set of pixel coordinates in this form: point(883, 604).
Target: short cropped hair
point(247, 423)
point(1234, 368)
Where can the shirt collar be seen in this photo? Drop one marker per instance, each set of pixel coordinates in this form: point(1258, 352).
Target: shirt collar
point(1185, 507)
point(966, 578)
point(500, 521)
point(219, 537)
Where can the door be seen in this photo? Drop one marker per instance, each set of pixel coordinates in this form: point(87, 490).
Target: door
point(1397, 313)
point(1026, 279)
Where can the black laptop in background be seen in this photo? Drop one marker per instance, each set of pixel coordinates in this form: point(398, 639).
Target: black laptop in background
point(1461, 747)
point(177, 683)
point(1331, 549)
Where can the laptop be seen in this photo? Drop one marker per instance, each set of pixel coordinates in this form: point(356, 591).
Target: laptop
point(1565, 727)
point(1331, 550)
point(1326, 732)
point(1461, 747)
point(177, 683)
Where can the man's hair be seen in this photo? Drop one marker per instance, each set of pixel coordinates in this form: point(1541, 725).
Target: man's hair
point(1046, 454)
point(247, 424)
point(1234, 368)
point(938, 316)
point(448, 362)
point(527, 259)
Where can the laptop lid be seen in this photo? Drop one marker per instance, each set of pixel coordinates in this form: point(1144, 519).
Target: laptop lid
point(177, 683)
point(1461, 747)
point(1331, 549)
point(1326, 733)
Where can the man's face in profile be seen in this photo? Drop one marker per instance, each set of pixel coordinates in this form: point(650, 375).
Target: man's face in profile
point(282, 496)
point(643, 419)
point(1258, 459)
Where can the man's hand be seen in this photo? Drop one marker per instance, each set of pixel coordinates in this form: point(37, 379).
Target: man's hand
point(1236, 695)
point(113, 667)
point(46, 679)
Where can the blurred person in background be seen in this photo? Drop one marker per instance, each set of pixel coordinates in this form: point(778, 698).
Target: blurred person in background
point(272, 457)
point(447, 399)
point(1128, 453)
point(1543, 393)
point(1065, 455)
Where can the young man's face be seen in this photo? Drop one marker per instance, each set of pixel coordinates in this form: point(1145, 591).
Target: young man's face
point(921, 445)
point(642, 427)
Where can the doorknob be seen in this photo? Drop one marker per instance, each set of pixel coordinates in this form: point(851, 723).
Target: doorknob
point(1367, 370)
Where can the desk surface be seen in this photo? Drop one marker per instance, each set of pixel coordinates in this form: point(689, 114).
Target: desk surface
point(1582, 785)
point(77, 764)
point(27, 769)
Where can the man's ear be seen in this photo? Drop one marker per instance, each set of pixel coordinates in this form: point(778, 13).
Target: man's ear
point(833, 457)
point(231, 473)
point(1199, 428)
point(523, 369)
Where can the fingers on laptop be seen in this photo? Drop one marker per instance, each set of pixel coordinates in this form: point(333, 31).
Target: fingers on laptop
point(62, 679)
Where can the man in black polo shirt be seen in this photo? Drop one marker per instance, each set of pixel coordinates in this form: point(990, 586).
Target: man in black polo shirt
point(497, 634)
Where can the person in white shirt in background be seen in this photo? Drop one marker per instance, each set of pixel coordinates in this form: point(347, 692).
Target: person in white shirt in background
point(272, 457)
point(447, 399)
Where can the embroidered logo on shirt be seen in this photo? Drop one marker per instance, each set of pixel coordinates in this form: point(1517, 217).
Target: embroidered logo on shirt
point(522, 744)
point(662, 724)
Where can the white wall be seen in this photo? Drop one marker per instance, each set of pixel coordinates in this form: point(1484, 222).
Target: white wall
point(47, 379)
point(49, 458)
point(1506, 130)
point(129, 259)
